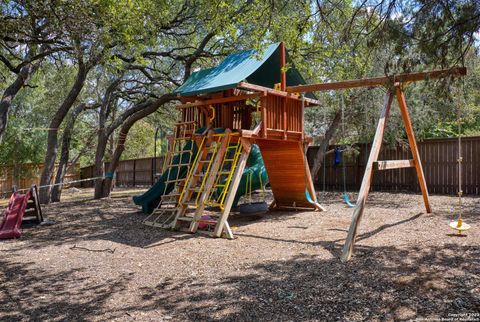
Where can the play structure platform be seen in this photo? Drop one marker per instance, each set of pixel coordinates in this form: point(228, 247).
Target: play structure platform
point(239, 129)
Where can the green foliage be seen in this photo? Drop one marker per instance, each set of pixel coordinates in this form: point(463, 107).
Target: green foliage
point(148, 45)
point(141, 138)
point(27, 130)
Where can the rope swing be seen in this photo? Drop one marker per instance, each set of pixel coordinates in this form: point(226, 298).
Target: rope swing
point(344, 168)
point(459, 225)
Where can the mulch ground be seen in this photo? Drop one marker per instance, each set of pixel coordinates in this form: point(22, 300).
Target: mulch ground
point(99, 262)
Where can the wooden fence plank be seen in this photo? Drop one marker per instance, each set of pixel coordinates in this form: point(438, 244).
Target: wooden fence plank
point(438, 156)
point(439, 161)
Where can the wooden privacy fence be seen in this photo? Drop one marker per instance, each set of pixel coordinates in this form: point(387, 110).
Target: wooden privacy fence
point(24, 175)
point(439, 160)
point(130, 173)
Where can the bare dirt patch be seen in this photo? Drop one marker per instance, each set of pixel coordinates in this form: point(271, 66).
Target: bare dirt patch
point(100, 263)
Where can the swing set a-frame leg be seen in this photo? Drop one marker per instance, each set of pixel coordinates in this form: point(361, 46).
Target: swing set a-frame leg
point(374, 153)
point(402, 103)
point(367, 178)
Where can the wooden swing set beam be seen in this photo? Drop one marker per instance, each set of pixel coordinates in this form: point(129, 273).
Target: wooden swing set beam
point(379, 81)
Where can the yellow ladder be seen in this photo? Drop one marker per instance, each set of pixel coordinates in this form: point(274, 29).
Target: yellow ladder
point(197, 182)
point(164, 214)
point(224, 178)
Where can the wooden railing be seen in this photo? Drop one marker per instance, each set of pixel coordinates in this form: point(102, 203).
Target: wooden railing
point(282, 117)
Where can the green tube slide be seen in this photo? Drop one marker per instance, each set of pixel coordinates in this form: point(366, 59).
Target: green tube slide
point(255, 168)
point(150, 199)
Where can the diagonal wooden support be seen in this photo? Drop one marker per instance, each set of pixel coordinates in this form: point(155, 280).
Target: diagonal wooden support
point(222, 224)
point(367, 179)
point(309, 182)
point(413, 146)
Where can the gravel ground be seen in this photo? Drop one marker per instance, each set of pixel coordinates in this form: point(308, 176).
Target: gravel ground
point(98, 262)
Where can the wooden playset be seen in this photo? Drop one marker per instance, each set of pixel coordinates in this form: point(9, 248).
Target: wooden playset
point(247, 101)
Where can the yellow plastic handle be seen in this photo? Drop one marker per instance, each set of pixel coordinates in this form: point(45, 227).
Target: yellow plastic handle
point(213, 113)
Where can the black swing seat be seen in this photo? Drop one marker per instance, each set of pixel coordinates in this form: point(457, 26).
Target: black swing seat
point(253, 208)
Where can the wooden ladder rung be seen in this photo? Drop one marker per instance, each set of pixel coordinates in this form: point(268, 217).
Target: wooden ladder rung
point(162, 210)
point(170, 196)
point(176, 180)
point(185, 123)
point(156, 224)
point(190, 203)
point(178, 165)
point(393, 164)
point(185, 218)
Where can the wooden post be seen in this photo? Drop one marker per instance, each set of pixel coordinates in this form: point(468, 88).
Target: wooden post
point(413, 146)
point(263, 107)
point(367, 178)
point(134, 172)
point(308, 176)
point(153, 165)
point(284, 119)
point(302, 117)
point(283, 67)
point(222, 223)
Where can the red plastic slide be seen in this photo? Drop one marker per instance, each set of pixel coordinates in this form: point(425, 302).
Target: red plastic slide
point(10, 226)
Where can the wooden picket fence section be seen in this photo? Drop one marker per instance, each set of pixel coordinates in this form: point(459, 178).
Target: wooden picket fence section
point(439, 158)
point(25, 175)
point(130, 173)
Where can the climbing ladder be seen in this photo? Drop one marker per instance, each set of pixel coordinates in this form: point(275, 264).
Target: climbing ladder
point(209, 183)
point(216, 197)
point(179, 158)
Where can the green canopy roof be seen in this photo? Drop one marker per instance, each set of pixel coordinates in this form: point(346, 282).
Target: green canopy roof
point(240, 67)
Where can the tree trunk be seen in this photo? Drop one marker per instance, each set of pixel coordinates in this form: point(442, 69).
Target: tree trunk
point(317, 164)
point(11, 91)
point(52, 140)
point(106, 184)
point(65, 153)
point(106, 187)
point(99, 169)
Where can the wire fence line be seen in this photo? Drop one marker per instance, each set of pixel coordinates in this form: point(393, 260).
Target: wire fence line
point(53, 185)
point(23, 176)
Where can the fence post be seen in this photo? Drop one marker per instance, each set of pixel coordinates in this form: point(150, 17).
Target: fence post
point(134, 172)
point(153, 166)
